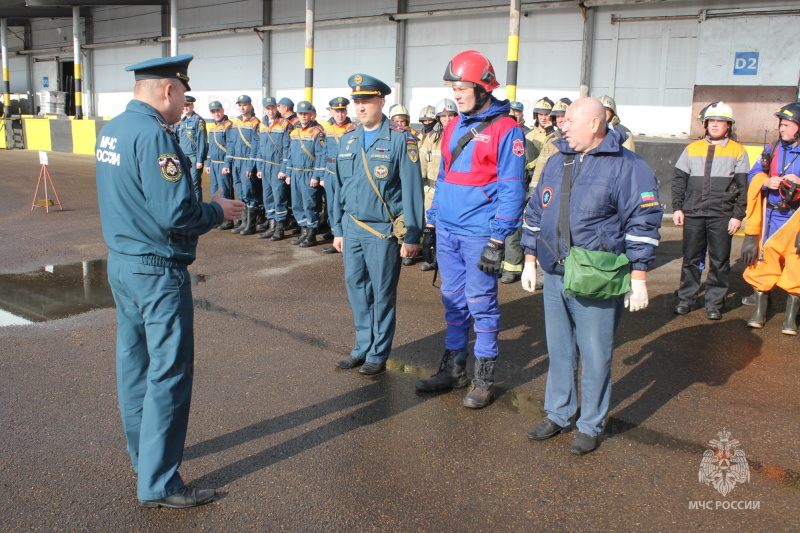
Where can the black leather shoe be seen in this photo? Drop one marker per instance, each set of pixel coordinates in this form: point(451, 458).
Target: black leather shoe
point(228, 224)
point(330, 250)
point(370, 369)
point(682, 309)
point(408, 261)
point(583, 444)
point(348, 362)
point(426, 267)
point(183, 499)
point(545, 430)
point(713, 314)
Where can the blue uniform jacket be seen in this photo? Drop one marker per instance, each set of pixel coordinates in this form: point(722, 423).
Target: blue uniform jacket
point(393, 159)
point(218, 139)
point(613, 205)
point(490, 206)
point(306, 152)
point(241, 138)
point(144, 188)
point(272, 145)
point(785, 161)
point(192, 133)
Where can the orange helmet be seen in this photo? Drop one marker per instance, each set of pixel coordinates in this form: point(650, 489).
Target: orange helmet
point(471, 69)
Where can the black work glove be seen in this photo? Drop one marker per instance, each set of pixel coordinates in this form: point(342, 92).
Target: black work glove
point(750, 250)
point(492, 257)
point(429, 245)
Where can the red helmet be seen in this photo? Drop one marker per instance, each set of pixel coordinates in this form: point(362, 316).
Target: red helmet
point(471, 69)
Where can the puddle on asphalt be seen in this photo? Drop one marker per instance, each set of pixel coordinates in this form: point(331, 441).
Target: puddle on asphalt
point(57, 291)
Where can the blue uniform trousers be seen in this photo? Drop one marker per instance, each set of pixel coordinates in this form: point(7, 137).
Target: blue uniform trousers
point(578, 326)
point(155, 368)
point(220, 180)
point(467, 292)
point(248, 189)
point(197, 179)
point(305, 199)
point(371, 274)
point(268, 178)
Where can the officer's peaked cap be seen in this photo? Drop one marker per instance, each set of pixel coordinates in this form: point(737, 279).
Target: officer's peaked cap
point(340, 102)
point(163, 67)
point(366, 86)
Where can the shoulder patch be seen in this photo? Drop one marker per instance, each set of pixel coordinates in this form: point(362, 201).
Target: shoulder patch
point(170, 167)
point(519, 147)
point(397, 127)
point(412, 152)
point(202, 124)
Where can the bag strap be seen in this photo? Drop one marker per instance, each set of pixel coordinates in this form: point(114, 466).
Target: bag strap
point(369, 228)
point(472, 133)
point(269, 136)
point(374, 186)
point(563, 214)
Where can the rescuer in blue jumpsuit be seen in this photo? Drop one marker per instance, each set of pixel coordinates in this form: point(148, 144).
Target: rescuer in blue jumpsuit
point(240, 141)
point(362, 227)
point(194, 143)
point(151, 222)
point(217, 140)
point(268, 153)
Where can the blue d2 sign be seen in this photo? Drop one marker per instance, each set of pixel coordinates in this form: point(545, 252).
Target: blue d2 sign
point(745, 64)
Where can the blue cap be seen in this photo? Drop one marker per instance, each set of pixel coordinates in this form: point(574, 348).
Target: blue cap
point(190, 99)
point(244, 99)
point(269, 100)
point(340, 102)
point(305, 107)
point(216, 104)
point(163, 67)
point(286, 101)
point(366, 86)
point(517, 106)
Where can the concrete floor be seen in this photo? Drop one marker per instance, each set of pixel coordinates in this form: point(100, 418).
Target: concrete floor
point(293, 445)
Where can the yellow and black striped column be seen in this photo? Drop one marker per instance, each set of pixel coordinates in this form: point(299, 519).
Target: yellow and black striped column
point(6, 81)
point(513, 51)
point(76, 44)
point(308, 94)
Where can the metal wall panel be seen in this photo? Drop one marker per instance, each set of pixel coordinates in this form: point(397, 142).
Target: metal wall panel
point(122, 23)
point(207, 15)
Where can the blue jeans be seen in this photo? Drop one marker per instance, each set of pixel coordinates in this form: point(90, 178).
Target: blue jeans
point(578, 326)
point(155, 368)
point(468, 294)
point(371, 273)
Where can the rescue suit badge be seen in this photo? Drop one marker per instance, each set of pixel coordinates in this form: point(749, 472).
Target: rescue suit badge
point(547, 195)
point(170, 167)
point(381, 171)
point(726, 466)
point(413, 154)
point(519, 147)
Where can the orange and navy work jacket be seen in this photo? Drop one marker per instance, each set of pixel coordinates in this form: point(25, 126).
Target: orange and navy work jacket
point(241, 138)
point(334, 132)
point(218, 139)
point(307, 152)
point(272, 143)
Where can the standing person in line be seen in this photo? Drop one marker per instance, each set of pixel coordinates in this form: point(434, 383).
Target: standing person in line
point(385, 154)
point(240, 141)
point(218, 139)
point(268, 153)
point(709, 198)
point(480, 193)
point(338, 125)
point(194, 143)
point(151, 222)
point(612, 207)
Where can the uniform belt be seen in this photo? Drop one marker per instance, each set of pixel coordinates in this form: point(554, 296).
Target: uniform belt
point(217, 161)
point(157, 260)
point(785, 209)
point(241, 158)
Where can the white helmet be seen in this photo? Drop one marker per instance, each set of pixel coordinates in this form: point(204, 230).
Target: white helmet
point(398, 110)
point(718, 111)
point(608, 103)
point(446, 105)
point(427, 113)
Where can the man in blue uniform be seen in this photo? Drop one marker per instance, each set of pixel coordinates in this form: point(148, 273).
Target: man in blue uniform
point(268, 153)
point(240, 141)
point(151, 222)
point(217, 147)
point(383, 155)
point(338, 125)
point(610, 205)
point(194, 143)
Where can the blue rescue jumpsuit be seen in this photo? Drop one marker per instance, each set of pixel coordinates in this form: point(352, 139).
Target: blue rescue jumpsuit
point(241, 139)
point(303, 161)
point(194, 143)
point(268, 153)
point(217, 147)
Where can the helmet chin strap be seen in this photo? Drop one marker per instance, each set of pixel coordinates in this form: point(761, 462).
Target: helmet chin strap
point(481, 97)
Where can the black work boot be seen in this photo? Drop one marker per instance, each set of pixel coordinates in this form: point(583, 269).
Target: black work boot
point(301, 238)
point(278, 235)
point(243, 224)
point(228, 224)
point(311, 238)
point(790, 323)
point(760, 313)
point(249, 228)
point(451, 374)
point(270, 230)
point(482, 391)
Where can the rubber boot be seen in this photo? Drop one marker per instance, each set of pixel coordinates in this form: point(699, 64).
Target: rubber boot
point(262, 222)
point(760, 313)
point(311, 238)
point(278, 235)
point(451, 374)
point(240, 227)
point(270, 230)
point(228, 224)
point(482, 391)
point(301, 238)
point(790, 323)
point(252, 217)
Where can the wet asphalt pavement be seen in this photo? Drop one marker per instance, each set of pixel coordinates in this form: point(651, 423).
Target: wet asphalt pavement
point(294, 445)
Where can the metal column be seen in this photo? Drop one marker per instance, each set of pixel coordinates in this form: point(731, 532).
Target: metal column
point(400, 55)
point(309, 64)
point(76, 45)
point(6, 84)
point(266, 50)
point(588, 47)
point(513, 50)
point(173, 27)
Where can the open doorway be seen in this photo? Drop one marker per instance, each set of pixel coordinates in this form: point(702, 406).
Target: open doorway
point(66, 83)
